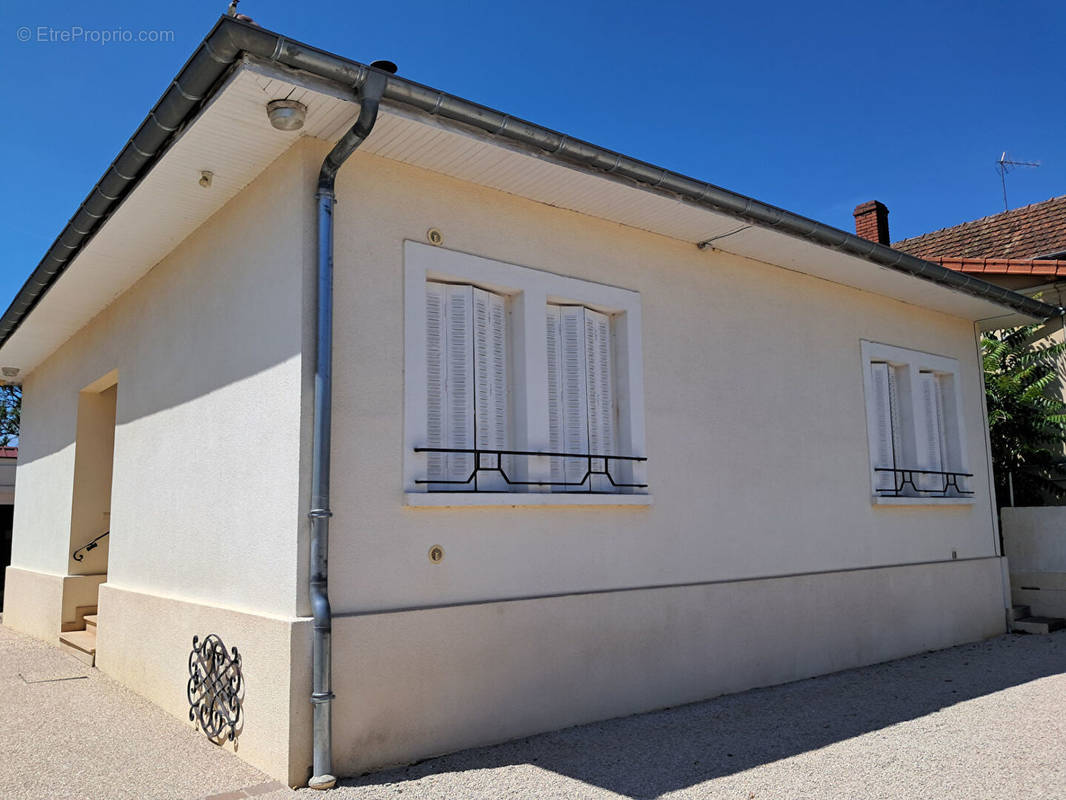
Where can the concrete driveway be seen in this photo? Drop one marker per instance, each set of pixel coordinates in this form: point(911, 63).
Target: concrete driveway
point(70, 733)
point(986, 720)
point(979, 721)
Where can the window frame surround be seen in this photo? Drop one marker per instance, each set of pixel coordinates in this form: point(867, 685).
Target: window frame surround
point(915, 361)
point(528, 291)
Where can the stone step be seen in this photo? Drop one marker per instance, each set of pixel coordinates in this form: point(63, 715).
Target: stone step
point(80, 644)
point(78, 623)
point(1039, 624)
point(90, 621)
point(1016, 612)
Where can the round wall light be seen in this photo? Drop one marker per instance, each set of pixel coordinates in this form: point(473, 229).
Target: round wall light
point(286, 115)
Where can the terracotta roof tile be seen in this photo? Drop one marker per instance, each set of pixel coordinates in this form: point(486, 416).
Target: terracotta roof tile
point(1005, 266)
point(1021, 233)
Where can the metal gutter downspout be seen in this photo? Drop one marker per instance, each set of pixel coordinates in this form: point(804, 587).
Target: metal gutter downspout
point(322, 683)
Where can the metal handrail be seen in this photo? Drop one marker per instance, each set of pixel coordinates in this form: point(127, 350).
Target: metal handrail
point(477, 452)
point(90, 546)
point(905, 475)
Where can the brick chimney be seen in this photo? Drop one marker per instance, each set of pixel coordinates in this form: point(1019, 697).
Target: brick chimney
point(871, 221)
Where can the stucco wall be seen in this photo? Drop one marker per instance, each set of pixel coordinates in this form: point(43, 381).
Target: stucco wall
point(144, 641)
point(1034, 541)
point(419, 683)
point(755, 414)
point(208, 349)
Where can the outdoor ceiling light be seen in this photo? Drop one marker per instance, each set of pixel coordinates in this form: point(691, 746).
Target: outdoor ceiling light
point(286, 115)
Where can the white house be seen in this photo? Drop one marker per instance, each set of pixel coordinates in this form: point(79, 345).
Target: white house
point(588, 437)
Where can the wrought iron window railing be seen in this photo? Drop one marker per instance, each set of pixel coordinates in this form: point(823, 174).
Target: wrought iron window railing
point(84, 549)
point(593, 464)
point(904, 477)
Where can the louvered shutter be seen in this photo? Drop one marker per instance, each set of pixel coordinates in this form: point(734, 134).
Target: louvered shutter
point(490, 379)
point(450, 374)
point(436, 368)
point(556, 437)
point(885, 427)
point(931, 445)
point(569, 419)
point(600, 393)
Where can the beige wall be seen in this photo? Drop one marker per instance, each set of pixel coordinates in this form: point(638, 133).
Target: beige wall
point(144, 641)
point(1034, 541)
point(756, 426)
point(208, 352)
point(207, 517)
point(758, 465)
point(419, 683)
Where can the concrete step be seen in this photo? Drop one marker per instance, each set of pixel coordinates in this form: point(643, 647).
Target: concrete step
point(1039, 624)
point(78, 623)
point(1016, 612)
point(80, 644)
point(90, 620)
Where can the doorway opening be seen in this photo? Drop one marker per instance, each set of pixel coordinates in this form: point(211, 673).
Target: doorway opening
point(90, 515)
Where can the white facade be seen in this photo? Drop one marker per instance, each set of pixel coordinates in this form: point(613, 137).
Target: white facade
point(750, 549)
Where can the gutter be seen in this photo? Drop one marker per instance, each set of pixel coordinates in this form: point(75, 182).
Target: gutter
point(230, 38)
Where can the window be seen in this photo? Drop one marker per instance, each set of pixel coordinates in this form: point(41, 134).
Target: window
point(519, 383)
point(913, 417)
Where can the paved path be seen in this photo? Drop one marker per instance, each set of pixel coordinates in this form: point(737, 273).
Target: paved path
point(67, 732)
point(979, 721)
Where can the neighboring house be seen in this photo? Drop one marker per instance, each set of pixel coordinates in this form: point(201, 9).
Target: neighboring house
point(505, 301)
point(1023, 249)
point(8, 457)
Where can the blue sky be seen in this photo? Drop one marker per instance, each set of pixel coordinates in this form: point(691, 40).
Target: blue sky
point(815, 107)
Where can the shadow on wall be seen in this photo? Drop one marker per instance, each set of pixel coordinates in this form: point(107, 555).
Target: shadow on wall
point(651, 754)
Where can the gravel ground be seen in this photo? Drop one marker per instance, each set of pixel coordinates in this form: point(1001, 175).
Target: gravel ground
point(67, 732)
point(986, 720)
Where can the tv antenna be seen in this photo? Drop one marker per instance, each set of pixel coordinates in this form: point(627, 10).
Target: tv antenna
point(1005, 165)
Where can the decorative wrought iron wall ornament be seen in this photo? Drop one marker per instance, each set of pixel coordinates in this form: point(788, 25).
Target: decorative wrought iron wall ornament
point(215, 689)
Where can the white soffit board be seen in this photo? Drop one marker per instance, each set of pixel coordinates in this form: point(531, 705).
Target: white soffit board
point(233, 138)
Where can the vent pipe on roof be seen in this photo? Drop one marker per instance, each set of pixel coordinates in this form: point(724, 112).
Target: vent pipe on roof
point(322, 671)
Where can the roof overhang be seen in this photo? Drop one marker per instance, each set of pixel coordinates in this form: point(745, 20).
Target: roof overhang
point(131, 222)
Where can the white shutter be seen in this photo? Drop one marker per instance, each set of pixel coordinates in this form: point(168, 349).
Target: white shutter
point(450, 396)
point(884, 426)
point(568, 421)
point(600, 393)
point(490, 379)
point(556, 437)
point(435, 375)
point(931, 440)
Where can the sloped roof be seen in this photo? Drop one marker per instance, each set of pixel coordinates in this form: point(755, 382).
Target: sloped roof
point(1047, 268)
point(213, 112)
point(1021, 233)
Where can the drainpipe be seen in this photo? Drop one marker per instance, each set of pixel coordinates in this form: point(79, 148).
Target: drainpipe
point(322, 692)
